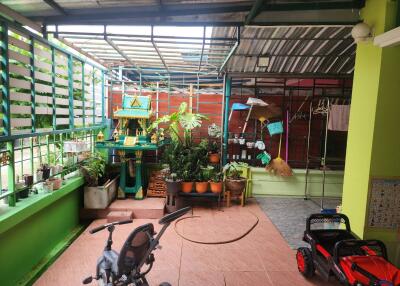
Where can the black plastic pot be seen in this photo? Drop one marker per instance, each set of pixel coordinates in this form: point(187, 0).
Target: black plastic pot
point(174, 187)
point(46, 173)
point(28, 179)
point(24, 193)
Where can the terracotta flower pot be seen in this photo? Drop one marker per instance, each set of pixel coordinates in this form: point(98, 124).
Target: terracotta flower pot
point(214, 158)
point(235, 186)
point(216, 187)
point(187, 187)
point(201, 187)
point(57, 182)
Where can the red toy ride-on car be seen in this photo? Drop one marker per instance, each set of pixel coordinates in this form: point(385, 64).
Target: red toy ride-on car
point(335, 251)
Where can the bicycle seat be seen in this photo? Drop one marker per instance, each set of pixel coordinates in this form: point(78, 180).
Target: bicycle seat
point(134, 249)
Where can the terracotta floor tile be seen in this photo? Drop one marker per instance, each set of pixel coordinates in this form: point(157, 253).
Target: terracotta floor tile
point(233, 258)
point(247, 278)
point(155, 277)
point(198, 257)
point(277, 259)
point(201, 278)
point(284, 278)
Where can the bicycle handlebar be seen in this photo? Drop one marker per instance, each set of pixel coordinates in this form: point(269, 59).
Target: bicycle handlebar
point(173, 216)
point(99, 228)
point(125, 221)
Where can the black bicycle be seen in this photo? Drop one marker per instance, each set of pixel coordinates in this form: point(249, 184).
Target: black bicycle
point(125, 268)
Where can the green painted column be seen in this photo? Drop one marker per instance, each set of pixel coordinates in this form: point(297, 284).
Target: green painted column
point(227, 96)
point(373, 139)
point(71, 91)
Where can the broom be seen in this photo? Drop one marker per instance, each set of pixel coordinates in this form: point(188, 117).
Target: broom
point(278, 166)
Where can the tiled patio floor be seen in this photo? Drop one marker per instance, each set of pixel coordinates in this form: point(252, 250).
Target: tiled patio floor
point(262, 258)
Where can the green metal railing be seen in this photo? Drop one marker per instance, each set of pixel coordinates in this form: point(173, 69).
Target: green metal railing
point(45, 101)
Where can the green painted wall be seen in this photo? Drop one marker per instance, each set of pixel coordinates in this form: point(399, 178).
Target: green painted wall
point(27, 245)
point(373, 140)
point(265, 184)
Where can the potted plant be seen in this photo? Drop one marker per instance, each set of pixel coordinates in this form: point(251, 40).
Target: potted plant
point(188, 181)
point(23, 190)
point(56, 182)
point(174, 183)
point(172, 157)
point(234, 181)
point(45, 171)
point(202, 179)
point(216, 182)
point(201, 183)
point(213, 153)
point(100, 186)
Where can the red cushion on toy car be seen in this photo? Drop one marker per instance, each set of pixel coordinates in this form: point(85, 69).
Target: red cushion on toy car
point(376, 265)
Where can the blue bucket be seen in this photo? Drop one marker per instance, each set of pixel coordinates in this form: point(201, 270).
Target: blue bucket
point(275, 128)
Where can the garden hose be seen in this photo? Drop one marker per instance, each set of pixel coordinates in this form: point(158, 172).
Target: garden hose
point(216, 242)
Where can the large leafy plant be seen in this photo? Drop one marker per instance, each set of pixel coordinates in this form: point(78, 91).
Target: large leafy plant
point(180, 123)
point(185, 161)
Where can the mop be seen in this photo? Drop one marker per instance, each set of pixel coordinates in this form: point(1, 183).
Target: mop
point(278, 166)
point(237, 107)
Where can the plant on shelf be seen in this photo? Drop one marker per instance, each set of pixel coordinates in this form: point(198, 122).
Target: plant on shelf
point(186, 162)
point(234, 181)
point(180, 122)
point(216, 182)
point(187, 179)
point(201, 182)
point(213, 152)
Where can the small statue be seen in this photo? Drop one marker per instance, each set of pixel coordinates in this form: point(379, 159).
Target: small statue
point(154, 139)
point(100, 136)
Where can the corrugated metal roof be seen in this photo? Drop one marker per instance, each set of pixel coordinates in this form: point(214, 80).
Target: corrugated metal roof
point(294, 49)
point(323, 50)
point(290, 49)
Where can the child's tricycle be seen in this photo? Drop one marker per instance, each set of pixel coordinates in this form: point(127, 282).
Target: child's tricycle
point(334, 250)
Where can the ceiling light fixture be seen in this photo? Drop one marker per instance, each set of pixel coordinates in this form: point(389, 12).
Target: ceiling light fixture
point(263, 61)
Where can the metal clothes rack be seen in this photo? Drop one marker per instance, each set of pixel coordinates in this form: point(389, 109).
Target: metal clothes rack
point(324, 110)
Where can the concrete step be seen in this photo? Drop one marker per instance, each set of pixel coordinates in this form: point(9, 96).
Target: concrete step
point(150, 208)
point(118, 216)
point(93, 213)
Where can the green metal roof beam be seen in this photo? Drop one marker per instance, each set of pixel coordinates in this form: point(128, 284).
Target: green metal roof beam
point(56, 7)
point(232, 51)
point(255, 10)
point(86, 16)
point(157, 50)
point(119, 51)
point(202, 48)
